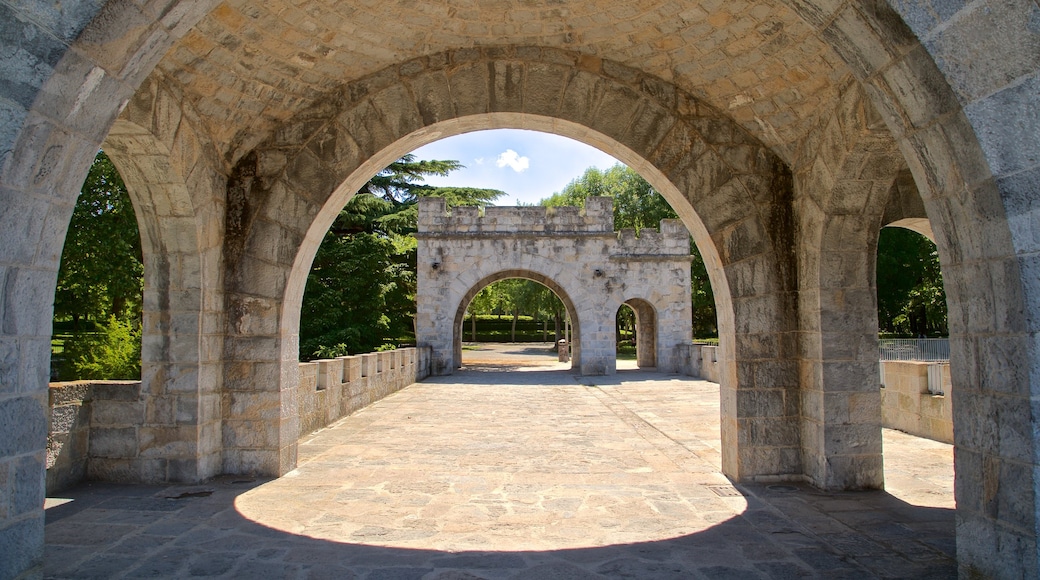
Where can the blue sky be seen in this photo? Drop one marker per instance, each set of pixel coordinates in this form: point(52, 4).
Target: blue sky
point(527, 165)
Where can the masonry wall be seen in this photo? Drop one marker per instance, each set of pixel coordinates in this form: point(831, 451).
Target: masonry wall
point(576, 253)
point(334, 388)
point(906, 403)
point(96, 426)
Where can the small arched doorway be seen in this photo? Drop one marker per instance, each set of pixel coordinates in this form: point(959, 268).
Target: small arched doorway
point(571, 312)
point(645, 332)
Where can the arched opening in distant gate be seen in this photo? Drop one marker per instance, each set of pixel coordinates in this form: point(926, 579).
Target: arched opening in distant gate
point(572, 313)
point(645, 335)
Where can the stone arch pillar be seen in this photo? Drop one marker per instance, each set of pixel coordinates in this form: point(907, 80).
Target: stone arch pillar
point(646, 332)
point(842, 195)
point(568, 303)
point(962, 111)
point(76, 67)
point(176, 193)
point(962, 130)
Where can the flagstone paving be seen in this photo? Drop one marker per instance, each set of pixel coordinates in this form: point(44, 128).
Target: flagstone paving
point(530, 474)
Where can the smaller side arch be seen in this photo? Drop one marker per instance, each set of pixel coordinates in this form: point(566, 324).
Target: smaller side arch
point(549, 283)
point(646, 332)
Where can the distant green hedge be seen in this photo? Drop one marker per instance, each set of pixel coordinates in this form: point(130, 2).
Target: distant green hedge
point(491, 329)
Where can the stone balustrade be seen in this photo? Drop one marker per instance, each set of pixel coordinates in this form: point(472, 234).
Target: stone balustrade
point(96, 427)
point(907, 404)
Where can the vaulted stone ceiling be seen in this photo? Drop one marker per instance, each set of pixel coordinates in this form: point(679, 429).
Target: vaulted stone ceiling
point(249, 66)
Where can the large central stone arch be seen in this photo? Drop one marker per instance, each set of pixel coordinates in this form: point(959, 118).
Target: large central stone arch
point(729, 190)
point(525, 274)
point(963, 112)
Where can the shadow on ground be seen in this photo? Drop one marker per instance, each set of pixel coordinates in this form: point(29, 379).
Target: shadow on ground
point(622, 438)
point(787, 531)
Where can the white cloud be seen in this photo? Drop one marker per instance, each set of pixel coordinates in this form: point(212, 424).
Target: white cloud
point(514, 160)
point(479, 160)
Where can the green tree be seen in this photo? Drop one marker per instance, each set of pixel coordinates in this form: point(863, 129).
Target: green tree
point(112, 353)
point(636, 204)
point(516, 297)
point(100, 282)
point(911, 300)
point(521, 297)
point(484, 302)
point(101, 273)
point(360, 292)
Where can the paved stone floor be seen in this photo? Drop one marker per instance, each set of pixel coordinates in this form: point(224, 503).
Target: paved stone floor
point(530, 474)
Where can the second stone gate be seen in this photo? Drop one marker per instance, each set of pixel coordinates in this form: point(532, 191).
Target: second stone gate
point(577, 254)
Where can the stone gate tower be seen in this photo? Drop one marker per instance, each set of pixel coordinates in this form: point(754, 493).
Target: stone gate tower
point(578, 255)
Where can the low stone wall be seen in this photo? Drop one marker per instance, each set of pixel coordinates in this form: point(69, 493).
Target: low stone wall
point(96, 426)
point(701, 361)
point(334, 388)
point(94, 431)
point(906, 403)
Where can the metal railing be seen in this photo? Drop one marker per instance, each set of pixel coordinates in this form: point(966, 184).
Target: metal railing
point(915, 349)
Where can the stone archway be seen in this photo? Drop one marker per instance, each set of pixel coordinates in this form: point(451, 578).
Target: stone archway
point(557, 289)
point(167, 169)
point(947, 99)
point(646, 332)
point(574, 251)
point(732, 181)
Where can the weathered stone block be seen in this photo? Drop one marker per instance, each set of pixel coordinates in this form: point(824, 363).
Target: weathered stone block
point(27, 426)
point(113, 443)
point(117, 413)
point(117, 391)
point(22, 546)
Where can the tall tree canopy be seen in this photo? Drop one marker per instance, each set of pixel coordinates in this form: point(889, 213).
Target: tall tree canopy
point(360, 292)
point(100, 282)
point(517, 297)
point(911, 300)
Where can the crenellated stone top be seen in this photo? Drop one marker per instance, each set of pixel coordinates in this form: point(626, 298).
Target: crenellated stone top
point(596, 218)
point(672, 240)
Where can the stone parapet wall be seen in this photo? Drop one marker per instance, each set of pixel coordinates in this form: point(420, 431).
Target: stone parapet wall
point(69, 433)
point(906, 403)
point(700, 360)
point(95, 433)
point(98, 429)
point(597, 217)
point(572, 251)
point(333, 388)
point(672, 240)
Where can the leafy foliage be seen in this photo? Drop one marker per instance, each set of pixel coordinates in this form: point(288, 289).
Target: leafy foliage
point(911, 300)
point(346, 297)
point(360, 293)
point(112, 353)
point(101, 272)
point(636, 204)
point(518, 298)
point(100, 281)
